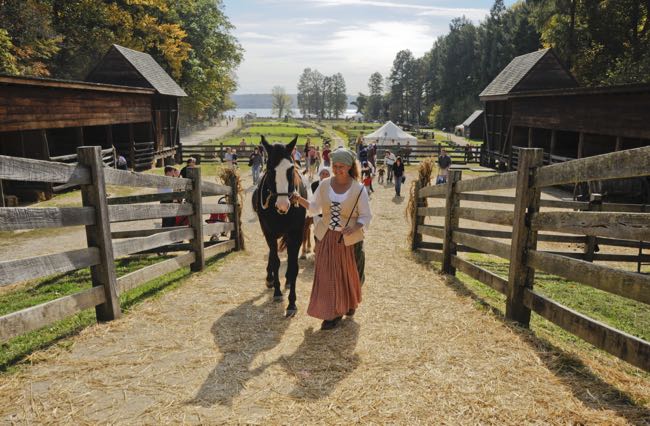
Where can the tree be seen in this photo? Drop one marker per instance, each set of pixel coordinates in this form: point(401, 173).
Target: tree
point(360, 102)
point(281, 101)
point(375, 88)
point(339, 98)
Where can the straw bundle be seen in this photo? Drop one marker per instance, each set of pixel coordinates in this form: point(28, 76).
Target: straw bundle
point(424, 178)
point(231, 178)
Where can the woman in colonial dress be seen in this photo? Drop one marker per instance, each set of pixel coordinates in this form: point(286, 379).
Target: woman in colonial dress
point(340, 259)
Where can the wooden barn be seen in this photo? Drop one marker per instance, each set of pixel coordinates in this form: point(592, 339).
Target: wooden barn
point(129, 102)
point(473, 127)
point(535, 102)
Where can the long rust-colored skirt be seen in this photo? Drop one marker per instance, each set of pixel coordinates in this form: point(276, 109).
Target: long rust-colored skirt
point(337, 287)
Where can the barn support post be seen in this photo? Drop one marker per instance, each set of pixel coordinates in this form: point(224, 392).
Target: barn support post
point(530, 137)
point(619, 143)
point(552, 149)
point(2, 195)
point(415, 219)
point(196, 219)
point(524, 238)
point(581, 145)
point(234, 199)
point(595, 205)
point(452, 203)
point(99, 234)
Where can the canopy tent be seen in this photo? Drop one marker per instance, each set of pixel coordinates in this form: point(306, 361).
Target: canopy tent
point(390, 134)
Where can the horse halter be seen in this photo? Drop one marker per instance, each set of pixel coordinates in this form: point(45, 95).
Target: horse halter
point(265, 203)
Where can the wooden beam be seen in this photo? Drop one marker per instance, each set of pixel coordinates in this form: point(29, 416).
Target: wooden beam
point(451, 221)
point(127, 246)
point(430, 255)
point(431, 231)
point(553, 143)
point(13, 271)
point(126, 178)
point(530, 137)
point(482, 244)
point(431, 211)
point(524, 238)
point(149, 198)
point(486, 277)
point(141, 276)
point(143, 232)
point(622, 345)
point(581, 145)
point(619, 144)
point(598, 167)
point(488, 183)
point(631, 226)
point(14, 218)
point(210, 229)
point(196, 219)
point(217, 208)
point(25, 169)
point(99, 234)
point(627, 284)
point(211, 188)
point(219, 248)
point(35, 317)
point(433, 191)
point(497, 217)
point(131, 212)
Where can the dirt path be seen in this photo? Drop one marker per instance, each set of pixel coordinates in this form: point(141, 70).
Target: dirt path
point(218, 351)
point(205, 135)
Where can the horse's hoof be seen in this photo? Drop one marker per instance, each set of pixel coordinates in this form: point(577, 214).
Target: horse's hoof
point(291, 313)
point(277, 298)
point(269, 284)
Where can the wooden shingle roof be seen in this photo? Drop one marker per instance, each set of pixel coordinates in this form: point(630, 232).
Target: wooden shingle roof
point(475, 115)
point(129, 67)
point(532, 71)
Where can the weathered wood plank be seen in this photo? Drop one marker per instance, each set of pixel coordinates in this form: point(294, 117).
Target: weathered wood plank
point(480, 274)
point(487, 198)
point(632, 208)
point(196, 219)
point(126, 178)
point(25, 169)
point(482, 244)
point(135, 245)
point(488, 183)
point(431, 231)
point(35, 317)
point(141, 276)
point(125, 213)
point(433, 191)
point(149, 198)
point(498, 217)
point(211, 188)
point(219, 248)
point(622, 345)
point(622, 243)
point(612, 257)
point(452, 203)
point(623, 283)
point(430, 255)
point(13, 271)
point(217, 228)
point(600, 167)
point(116, 235)
point(631, 226)
point(13, 218)
point(217, 208)
point(564, 204)
point(431, 211)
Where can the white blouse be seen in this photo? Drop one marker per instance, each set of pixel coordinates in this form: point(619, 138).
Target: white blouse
point(363, 206)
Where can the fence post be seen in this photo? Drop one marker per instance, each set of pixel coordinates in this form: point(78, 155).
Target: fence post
point(234, 198)
point(196, 219)
point(595, 205)
point(520, 276)
point(99, 234)
point(452, 203)
point(417, 220)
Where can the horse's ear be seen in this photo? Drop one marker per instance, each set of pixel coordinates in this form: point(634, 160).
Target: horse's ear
point(292, 144)
point(265, 144)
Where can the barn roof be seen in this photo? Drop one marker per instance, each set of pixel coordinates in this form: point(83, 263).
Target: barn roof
point(70, 84)
point(532, 71)
point(121, 64)
point(473, 117)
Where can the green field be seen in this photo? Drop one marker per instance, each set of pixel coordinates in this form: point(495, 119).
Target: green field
point(280, 130)
point(274, 132)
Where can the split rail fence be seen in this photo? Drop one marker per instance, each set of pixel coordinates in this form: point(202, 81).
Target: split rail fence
point(97, 214)
point(588, 223)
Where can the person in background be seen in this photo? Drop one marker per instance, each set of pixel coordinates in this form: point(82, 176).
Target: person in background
point(444, 162)
point(372, 156)
point(367, 171)
point(398, 174)
point(234, 158)
point(121, 163)
point(407, 152)
point(389, 160)
point(340, 261)
point(170, 171)
point(227, 157)
point(311, 162)
point(243, 142)
point(297, 157)
point(382, 172)
point(326, 155)
point(256, 161)
point(191, 163)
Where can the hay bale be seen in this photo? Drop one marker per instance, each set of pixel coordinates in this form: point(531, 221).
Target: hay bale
point(228, 176)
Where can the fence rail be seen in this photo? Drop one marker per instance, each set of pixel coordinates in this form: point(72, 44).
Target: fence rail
point(589, 223)
point(96, 214)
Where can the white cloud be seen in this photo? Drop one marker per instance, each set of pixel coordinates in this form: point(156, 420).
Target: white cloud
point(449, 12)
point(254, 35)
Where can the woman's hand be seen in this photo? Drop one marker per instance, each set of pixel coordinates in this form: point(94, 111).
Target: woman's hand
point(351, 229)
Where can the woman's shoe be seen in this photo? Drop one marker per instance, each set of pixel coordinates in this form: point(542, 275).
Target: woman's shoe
point(330, 324)
point(350, 313)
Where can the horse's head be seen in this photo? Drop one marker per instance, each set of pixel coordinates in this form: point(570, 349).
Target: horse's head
point(280, 168)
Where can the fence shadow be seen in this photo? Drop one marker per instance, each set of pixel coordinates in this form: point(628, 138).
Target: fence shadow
point(241, 334)
point(585, 385)
point(323, 359)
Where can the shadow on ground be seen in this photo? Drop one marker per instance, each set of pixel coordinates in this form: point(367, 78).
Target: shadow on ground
point(587, 386)
point(241, 334)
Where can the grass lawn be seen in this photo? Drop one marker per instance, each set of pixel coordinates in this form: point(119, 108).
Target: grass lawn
point(280, 130)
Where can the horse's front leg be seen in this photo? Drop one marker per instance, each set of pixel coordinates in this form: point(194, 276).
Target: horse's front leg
point(273, 268)
point(293, 247)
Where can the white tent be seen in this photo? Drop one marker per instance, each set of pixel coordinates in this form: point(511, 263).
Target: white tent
point(390, 134)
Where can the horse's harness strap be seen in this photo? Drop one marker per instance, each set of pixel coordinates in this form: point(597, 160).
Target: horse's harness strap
point(266, 203)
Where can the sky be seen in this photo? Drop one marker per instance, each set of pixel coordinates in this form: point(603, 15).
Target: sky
point(354, 37)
